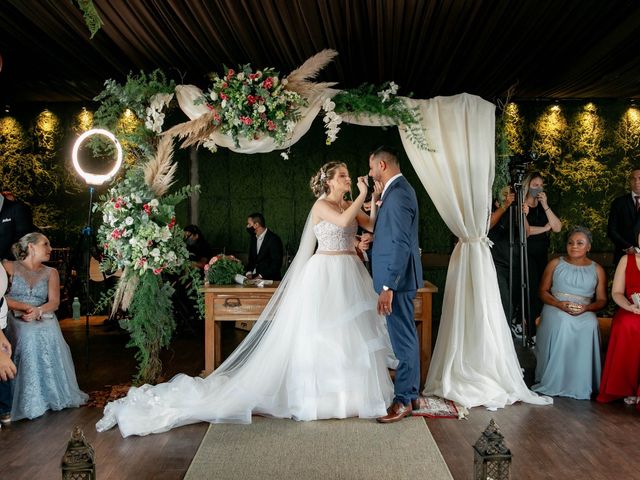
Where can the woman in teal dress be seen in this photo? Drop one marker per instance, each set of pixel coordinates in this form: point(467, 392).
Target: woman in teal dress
point(572, 289)
point(46, 378)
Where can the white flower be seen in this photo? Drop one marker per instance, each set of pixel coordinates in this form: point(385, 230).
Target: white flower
point(224, 104)
point(261, 108)
point(241, 76)
point(128, 221)
point(213, 95)
point(210, 145)
point(155, 252)
point(284, 155)
point(154, 202)
point(290, 126)
point(393, 88)
point(328, 105)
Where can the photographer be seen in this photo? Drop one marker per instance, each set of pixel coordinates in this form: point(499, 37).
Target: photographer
point(540, 220)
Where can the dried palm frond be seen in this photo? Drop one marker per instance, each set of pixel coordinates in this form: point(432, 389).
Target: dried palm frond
point(124, 292)
point(297, 81)
point(160, 169)
point(195, 131)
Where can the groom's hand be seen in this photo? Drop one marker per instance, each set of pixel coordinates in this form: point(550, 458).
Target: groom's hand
point(384, 302)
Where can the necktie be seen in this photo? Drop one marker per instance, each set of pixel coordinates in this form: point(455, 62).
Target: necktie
point(637, 199)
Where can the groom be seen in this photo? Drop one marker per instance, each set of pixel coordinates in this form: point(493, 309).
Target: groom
point(397, 275)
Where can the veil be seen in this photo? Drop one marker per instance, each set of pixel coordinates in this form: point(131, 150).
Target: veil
point(269, 316)
point(230, 393)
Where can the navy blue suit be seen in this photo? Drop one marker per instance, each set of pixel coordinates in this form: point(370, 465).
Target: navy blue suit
point(395, 261)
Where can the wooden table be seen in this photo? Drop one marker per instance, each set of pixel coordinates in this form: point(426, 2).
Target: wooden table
point(230, 303)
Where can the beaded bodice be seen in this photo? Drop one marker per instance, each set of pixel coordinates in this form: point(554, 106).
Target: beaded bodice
point(29, 287)
point(334, 238)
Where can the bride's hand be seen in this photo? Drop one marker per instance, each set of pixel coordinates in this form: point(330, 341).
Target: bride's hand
point(362, 186)
point(377, 190)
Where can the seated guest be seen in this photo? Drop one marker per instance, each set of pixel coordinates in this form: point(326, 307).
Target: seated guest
point(572, 289)
point(265, 251)
point(199, 250)
point(621, 373)
point(46, 378)
point(7, 367)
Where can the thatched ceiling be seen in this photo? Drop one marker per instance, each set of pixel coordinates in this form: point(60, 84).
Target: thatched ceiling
point(545, 48)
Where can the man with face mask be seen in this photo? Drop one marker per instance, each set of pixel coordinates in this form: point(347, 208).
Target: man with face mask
point(265, 251)
point(199, 250)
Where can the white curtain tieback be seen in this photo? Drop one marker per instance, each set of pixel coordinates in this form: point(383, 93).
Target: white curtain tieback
point(483, 239)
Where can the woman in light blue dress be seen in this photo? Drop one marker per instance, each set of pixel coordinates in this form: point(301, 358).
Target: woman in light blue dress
point(46, 378)
point(572, 289)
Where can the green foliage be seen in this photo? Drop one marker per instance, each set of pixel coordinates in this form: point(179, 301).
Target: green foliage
point(222, 269)
point(91, 17)
point(135, 95)
point(381, 101)
point(150, 325)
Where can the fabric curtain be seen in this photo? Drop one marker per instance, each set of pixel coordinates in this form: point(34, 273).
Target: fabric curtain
point(474, 361)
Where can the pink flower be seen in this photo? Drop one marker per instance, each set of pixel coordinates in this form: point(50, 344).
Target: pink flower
point(267, 83)
point(172, 223)
point(251, 99)
point(206, 267)
point(223, 96)
point(216, 119)
point(157, 271)
point(270, 125)
point(230, 73)
point(147, 208)
point(116, 234)
point(117, 204)
point(246, 120)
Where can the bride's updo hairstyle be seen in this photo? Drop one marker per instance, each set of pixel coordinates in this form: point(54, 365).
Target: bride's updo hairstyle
point(319, 181)
point(20, 249)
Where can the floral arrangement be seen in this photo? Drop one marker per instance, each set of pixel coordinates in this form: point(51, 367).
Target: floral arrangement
point(222, 269)
point(381, 101)
point(252, 104)
point(145, 97)
point(139, 235)
point(138, 230)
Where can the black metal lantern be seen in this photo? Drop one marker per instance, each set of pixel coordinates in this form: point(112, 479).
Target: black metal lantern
point(492, 459)
point(78, 460)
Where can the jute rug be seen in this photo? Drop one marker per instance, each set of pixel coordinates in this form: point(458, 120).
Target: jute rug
point(323, 450)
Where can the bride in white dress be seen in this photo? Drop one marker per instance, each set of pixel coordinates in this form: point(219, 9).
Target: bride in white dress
point(319, 349)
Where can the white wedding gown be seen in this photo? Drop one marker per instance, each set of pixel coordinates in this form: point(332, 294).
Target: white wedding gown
point(319, 350)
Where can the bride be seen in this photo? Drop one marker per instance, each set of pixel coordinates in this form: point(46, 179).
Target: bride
point(319, 349)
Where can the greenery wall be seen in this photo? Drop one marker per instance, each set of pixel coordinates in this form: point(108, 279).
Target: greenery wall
point(584, 150)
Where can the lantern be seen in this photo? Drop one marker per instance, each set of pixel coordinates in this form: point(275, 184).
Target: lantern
point(492, 459)
point(78, 459)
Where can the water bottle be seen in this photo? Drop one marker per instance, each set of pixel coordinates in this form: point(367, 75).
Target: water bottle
point(75, 306)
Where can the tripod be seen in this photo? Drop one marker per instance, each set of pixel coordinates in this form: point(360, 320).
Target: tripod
point(517, 219)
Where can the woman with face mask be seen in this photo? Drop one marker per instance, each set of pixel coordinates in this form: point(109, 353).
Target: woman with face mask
point(540, 221)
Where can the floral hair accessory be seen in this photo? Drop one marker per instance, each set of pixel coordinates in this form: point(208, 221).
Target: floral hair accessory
point(323, 175)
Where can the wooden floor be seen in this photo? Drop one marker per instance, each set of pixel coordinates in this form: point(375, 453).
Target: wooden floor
point(569, 440)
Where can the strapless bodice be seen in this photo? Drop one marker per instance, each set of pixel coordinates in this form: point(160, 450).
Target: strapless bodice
point(334, 238)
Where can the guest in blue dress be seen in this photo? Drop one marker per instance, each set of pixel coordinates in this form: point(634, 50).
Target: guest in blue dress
point(572, 289)
point(46, 378)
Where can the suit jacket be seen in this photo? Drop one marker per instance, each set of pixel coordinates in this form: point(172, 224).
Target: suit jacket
point(395, 255)
point(623, 223)
point(15, 222)
point(267, 262)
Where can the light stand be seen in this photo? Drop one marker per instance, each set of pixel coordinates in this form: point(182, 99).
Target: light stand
point(87, 232)
point(520, 222)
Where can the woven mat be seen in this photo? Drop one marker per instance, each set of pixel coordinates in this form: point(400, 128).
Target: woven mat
point(320, 450)
point(436, 407)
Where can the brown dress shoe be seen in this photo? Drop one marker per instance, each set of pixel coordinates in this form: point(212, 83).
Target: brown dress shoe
point(396, 412)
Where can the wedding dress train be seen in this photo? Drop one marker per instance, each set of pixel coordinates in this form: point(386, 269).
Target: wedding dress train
point(319, 350)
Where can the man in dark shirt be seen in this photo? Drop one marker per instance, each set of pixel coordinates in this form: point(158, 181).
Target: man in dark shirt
point(265, 251)
point(623, 218)
point(15, 221)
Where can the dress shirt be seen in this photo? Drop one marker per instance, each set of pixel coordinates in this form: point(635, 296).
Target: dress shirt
point(386, 185)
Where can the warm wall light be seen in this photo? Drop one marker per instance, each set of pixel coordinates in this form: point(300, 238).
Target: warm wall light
point(85, 120)
point(92, 178)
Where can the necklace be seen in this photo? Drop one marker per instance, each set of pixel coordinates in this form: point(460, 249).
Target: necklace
point(337, 204)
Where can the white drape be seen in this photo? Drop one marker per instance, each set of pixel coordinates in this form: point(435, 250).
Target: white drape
point(187, 94)
point(474, 361)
